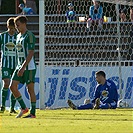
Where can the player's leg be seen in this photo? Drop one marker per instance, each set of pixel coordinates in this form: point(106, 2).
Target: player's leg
point(6, 76)
point(85, 106)
point(80, 107)
point(104, 106)
point(71, 104)
point(30, 79)
point(13, 102)
point(112, 105)
point(100, 105)
point(13, 99)
point(33, 101)
point(14, 88)
point(6, 83)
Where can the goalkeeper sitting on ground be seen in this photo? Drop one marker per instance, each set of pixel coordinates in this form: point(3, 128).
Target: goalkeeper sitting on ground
point(105, 95)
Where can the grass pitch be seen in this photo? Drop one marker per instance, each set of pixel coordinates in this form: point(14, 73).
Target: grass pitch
point(70, 121)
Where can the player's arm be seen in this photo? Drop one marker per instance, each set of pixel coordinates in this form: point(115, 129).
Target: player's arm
point(96, 94)
point(31, 47)
point(28, 59)
point(26, 62)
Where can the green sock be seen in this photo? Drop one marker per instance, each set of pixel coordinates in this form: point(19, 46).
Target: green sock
point(33, 108)
point(13, 101)
point(4, 96)
point(21, 102)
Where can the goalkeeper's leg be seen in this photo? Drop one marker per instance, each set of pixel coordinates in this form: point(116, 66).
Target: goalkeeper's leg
point(80, 107)
point(85, 106)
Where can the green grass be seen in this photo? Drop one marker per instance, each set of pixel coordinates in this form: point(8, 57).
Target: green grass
point(70, 121)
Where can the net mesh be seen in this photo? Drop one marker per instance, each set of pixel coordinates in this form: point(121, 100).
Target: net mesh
point(76, 43)
point(73, 45)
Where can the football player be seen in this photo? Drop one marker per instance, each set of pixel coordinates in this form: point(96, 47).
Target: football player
point(8, 58)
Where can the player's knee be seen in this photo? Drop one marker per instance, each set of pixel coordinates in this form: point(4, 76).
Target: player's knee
point(6, 85)
point(14, 87)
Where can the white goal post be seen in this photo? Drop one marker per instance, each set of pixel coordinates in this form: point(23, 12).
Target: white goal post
point(41, 52)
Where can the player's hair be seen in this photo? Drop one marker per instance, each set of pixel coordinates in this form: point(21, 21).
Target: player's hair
point(10, 22)
point(22, 19)
point(102, 73)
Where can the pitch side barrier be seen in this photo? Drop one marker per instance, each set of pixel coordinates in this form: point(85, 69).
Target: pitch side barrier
point(75, 83)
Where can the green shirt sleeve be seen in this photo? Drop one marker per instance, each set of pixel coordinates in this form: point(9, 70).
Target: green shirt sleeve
point(31, 42)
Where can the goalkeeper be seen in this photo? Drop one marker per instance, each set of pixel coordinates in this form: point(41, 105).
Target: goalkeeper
point(105, 95)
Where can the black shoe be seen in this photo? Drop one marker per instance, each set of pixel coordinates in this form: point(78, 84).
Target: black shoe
point(2, 109)
point(71, 104)
point(13, 111)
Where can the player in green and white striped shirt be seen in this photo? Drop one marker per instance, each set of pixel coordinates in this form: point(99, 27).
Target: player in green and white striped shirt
point(7, 43)
point(26, 70)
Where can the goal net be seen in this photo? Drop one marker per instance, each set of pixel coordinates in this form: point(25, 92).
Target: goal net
point(73, 53)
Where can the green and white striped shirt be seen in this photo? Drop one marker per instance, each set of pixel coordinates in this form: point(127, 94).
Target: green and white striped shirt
point(7, 43)
point(24, 43)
